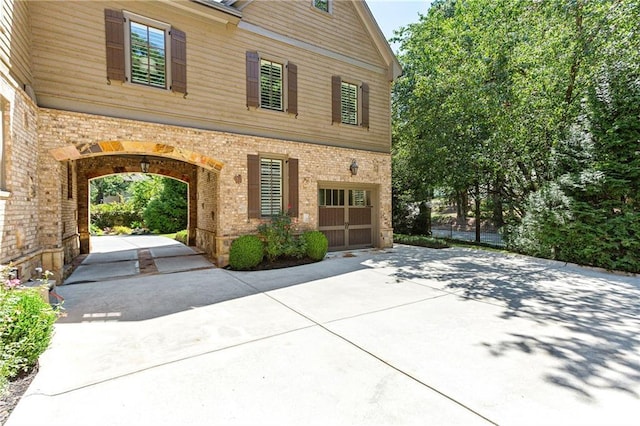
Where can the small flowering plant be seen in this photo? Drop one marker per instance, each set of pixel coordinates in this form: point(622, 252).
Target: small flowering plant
point(9, 279)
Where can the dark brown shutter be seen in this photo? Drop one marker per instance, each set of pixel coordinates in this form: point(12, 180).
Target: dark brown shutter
point(293, 187)
point(178, 61)
point(336, 102)
point(365, 105)
point(253, 186)
point(114, 34)
point(253, 79)
point(292, 88)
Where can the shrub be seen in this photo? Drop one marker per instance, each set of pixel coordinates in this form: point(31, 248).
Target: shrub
point(278, 238)
point(94, 230)
point(121, 230)
point(246, 252)
point(316, 244)
point(25, 330)
point(167, 212)
point(113, 214)
point(420, 240)
point(182, 236)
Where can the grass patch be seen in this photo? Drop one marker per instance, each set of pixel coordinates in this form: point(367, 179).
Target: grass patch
point(421, 241)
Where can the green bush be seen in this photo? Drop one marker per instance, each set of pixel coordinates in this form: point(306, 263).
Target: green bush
point(278, 238)
point(316, 244)
point(246, 252)
point(94, 230)
point(167, 212)
point(121, 230)
point(420, 240)
point(25, 330)
point(113, 214)
point(182, 236)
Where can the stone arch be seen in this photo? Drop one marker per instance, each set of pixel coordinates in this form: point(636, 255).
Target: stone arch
point(94, 149)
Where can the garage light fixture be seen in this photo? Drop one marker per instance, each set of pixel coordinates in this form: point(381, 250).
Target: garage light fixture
point(144, 165)
point(353, 167)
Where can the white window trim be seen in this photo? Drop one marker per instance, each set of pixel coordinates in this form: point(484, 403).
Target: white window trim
point(129, 16)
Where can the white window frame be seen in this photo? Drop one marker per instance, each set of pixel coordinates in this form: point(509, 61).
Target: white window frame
point(129, 17)
point(283, 81)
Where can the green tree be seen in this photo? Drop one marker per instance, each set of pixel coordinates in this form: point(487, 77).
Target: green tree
point(168, 211)
point(107, 186)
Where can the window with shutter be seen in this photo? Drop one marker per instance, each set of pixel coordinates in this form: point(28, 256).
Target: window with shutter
point(144, 51)
point(349, 103)
point(271, 193)
point(271, 85)
point(322, 5)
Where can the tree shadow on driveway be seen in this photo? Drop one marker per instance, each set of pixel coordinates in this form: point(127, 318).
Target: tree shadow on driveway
point(598, 312)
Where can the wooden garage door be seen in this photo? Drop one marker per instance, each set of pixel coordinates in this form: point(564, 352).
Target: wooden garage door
point(345, 217)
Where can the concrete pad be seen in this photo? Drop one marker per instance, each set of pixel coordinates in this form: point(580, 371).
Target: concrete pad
point(181, 263)
point(110, 257)
point(352, 294)
point(511, 369)
point(308, 377)
point(171, 250)
point(102, 271)
point(148, 296)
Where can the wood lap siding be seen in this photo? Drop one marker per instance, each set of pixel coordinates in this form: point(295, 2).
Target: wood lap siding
point(253, 186)
point(292, 88)
point(178, 61)
point(114, 34)
point(253, 79)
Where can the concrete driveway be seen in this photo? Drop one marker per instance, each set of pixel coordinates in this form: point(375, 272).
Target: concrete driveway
point(403, 336)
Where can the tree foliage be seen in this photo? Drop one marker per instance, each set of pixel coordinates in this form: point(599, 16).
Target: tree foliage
point(533, 105)
point(167, 212)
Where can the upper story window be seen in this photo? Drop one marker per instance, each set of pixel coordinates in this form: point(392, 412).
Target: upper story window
point(148, 54)
point(349, 102)
point(271, 82)
point(144, 51)
point(322, 5)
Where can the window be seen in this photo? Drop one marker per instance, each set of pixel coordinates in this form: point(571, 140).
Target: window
point(148, 54)
point(336, 197)
point(349, 103)
point(322, 5)
point(271, 85)
point(144, 51)
point(270, 187)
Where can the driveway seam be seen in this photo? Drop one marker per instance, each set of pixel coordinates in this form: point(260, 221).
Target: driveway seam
point(355, 345)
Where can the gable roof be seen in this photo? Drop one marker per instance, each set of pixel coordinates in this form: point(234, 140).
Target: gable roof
point(364, 13)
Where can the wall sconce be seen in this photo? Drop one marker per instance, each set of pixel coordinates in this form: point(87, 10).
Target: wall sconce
point(144, 165)
point(353, 167)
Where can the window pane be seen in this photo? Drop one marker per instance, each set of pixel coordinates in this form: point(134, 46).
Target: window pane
point(358, 197)
point(349, 103)
point(322, 201)
point(270, 187)
point(148, 62)
point(321, 4)
point(270, 85)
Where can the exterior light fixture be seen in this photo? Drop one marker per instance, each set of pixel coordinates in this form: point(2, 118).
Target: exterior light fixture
point(144, 165)
point(353, 167)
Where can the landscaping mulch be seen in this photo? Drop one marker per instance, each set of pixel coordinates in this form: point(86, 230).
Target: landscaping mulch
point(16, 388)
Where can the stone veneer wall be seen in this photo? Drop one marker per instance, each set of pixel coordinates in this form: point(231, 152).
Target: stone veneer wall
point(25, 204)
point(317, 163)
point(207, 210)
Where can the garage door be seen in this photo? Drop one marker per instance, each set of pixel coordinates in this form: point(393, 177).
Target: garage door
point(345, 217)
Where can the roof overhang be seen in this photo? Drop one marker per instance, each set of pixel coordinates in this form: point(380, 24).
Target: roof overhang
point(381, 43)
point(209, 9)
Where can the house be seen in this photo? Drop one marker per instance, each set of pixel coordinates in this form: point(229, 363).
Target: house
point(260, 106)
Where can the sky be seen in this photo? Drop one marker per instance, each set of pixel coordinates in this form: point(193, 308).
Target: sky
point(394, 14)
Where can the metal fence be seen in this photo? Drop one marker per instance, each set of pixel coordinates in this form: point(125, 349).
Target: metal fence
point(461, 233)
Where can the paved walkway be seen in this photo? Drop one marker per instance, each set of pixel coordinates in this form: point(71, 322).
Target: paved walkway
point(403, 336)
